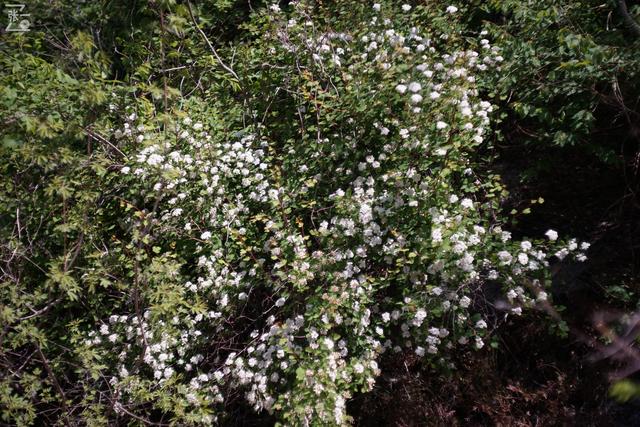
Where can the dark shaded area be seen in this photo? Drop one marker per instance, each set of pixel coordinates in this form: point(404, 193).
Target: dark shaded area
point(531, 380)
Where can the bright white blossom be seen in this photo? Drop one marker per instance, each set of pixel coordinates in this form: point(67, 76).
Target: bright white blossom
point(401, 88)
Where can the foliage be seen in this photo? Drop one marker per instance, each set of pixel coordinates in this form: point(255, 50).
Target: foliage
point(187, 224)
point(567, 63)
point(625, 390)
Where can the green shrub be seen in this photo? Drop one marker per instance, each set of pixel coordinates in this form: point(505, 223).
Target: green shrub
point(267, 239)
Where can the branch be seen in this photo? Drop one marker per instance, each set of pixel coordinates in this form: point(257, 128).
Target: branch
point(55, 383)
point(628, 19)
point(102, 139)
point(213, 50)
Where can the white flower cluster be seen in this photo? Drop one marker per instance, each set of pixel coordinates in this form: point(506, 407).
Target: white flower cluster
point(134, 339)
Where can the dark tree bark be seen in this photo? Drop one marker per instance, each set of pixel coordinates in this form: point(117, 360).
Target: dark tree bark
point(628, 19)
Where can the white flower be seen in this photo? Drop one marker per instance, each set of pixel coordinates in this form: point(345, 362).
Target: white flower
point(415, 87)
point(358, 368)
point(125, 170)
point(420, 351)
point(552, 235)
point(366, 214)
point(441, 125)
point(274, 7)
point(401, 88)
point(562, 253)
point(523, 258)
point(280, 302)
point(376, 7)
point(467, 203)
point(416, 98)
point(206, 235)
point(155, 159)
point(505, 257)
point(452, 9)
point(406, 8)
point(481, 324)
point(465, 302)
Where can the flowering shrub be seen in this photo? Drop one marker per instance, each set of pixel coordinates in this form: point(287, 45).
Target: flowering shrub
point(273, 248)
point(311, 257)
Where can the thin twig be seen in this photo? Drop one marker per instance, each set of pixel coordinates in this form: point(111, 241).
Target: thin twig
point(213, 50)
point(101, 138)
point(56, 385)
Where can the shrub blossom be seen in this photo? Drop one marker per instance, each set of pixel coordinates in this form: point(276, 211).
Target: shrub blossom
point(302, 260)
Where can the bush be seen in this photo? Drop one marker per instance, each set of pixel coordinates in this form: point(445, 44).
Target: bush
point(267, 240)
